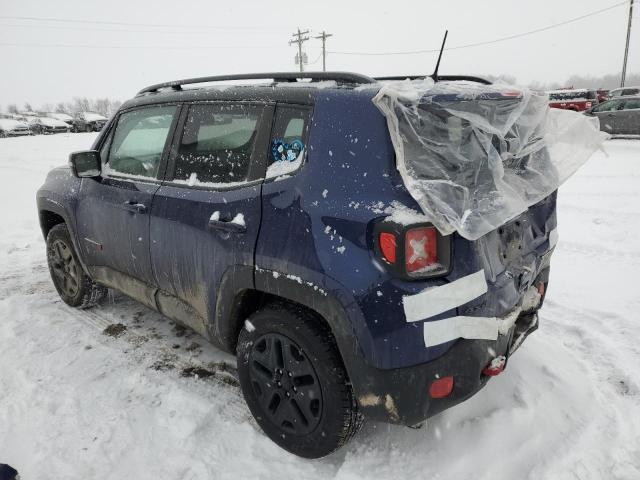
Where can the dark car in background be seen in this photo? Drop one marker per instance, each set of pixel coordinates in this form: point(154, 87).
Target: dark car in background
point(619, 116)
point(602, 94)
point(47, 125)
point(576, 99)
point(88, 122)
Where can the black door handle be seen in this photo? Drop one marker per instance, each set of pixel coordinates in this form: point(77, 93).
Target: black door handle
point(236, 224)
point(134, 206)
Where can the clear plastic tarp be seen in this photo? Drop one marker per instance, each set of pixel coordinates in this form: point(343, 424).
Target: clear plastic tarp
point(475, 156)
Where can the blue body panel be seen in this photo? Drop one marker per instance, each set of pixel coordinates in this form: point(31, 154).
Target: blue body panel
point(313, 226)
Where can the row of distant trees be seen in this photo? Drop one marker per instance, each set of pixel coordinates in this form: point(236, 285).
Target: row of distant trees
point(576, 81)
point(104, 106)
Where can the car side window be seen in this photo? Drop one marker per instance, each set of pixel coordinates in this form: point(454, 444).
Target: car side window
point(632, 104)
point(288, 137)
point(217, 144)
point(608, 106)
point(139, 140)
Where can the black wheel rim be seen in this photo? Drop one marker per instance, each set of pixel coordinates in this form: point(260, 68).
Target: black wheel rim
point(64, 268)
point(285, 384)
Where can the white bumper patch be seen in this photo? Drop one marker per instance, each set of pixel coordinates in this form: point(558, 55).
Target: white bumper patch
point(471, 328)
point(436, 300)
point(476, 328)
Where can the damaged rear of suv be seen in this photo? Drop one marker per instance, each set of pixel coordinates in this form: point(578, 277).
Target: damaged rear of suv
point(367, 249)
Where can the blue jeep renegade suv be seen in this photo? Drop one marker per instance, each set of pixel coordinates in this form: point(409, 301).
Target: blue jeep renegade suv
point(258, 215)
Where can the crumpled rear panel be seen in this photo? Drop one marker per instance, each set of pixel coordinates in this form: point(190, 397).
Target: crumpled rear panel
point(476, 156)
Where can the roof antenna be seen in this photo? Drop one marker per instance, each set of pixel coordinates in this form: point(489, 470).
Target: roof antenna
point(434, 75)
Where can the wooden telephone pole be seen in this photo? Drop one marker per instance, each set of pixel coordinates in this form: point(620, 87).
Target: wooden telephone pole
point(324, 37)
point(300, 38)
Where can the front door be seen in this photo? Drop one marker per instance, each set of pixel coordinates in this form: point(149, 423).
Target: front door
point(609, 115)
point(113, 211)
point(206, 215)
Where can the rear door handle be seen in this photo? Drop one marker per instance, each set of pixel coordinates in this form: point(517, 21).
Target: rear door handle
point(236, 224)
point(135, 206)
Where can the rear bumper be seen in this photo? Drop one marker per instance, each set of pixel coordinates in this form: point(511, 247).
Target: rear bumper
point(401, 395)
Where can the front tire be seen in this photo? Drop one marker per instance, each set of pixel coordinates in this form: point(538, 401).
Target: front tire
point(294, 381)
point(73, 285)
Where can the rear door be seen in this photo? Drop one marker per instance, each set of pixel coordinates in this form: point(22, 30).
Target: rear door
point(206, 215)
point(630, 116)
point(113, 211)
point(609, 115)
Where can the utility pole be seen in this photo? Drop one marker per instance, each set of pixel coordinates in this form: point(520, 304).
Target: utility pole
point(324, 37)
point(300, 38)
point(626, 47)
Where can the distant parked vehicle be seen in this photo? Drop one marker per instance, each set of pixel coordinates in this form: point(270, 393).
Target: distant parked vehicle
point(620, 116)
point(68, 119)
point(624, 92)
point(46, 125)
point(13, 128)
point(88, 122)
point(579, 99)
point(602, 94)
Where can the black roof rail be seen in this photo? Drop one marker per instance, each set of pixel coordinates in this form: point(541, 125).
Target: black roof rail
point(446, 78)
point(341, 77)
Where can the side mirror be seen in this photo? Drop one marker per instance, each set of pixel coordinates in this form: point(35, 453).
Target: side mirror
point(85, 164)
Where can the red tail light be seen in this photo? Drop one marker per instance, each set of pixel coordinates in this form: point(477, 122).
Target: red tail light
point(412, 252)
point(442, 387)
point(421, 249)
point(388, 246)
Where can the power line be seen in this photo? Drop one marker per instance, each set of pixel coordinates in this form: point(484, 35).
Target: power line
point(129, 24)
point(488, 42)
point(139, 47)
point(97, 29)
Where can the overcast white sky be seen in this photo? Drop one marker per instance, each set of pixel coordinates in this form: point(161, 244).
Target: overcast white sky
point(52, 61)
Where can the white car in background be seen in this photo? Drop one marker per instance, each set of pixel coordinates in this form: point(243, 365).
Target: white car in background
point(623, 92)
point(64, 117)
point(13, 128)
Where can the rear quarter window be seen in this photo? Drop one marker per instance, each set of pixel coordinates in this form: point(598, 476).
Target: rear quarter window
point(288, 140)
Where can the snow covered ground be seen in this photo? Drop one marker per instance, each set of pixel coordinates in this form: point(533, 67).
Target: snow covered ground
point(76, 403)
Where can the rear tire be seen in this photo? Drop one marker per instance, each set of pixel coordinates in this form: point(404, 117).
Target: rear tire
point(73, 285)
point(294, 381)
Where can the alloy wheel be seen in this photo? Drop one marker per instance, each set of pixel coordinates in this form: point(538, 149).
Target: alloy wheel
point(285, 383)
point(64, 268)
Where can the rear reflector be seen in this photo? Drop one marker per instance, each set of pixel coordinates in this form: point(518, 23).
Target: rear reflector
point(541, 289)
point(496, 367)
point(388, 246)
point(421, 248)
point(442, 387)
